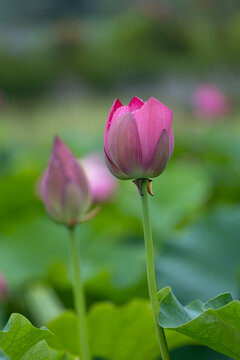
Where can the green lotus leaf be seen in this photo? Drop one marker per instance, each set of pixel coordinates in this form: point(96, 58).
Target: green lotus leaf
point(20, 340)
point(215, 324)
point(115, 332)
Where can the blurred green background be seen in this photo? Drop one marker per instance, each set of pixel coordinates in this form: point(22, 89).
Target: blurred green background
point(62, 63)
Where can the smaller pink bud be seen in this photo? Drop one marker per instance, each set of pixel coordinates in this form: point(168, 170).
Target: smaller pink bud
point(102, 184)
point(209, 101)
point(3, 287)
point(65, 188)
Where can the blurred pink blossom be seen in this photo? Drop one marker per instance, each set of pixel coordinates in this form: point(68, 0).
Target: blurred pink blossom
point(102, 184)
point(209, 101)
point(3, 287)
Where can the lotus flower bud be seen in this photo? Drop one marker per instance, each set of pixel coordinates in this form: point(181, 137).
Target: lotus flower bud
point(65, 188)
point(209, 101)
point(138, 139)
point(102, 183)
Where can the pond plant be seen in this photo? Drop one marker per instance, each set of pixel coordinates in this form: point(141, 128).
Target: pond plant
point(138, 143)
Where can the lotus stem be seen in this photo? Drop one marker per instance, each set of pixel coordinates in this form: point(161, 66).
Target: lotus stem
point(79, 299)
point(152, 288)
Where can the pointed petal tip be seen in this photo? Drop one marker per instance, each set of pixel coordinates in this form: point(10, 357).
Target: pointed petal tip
point(153, 101)
point(58, 142)
point(116, 105)
point(152, 98)
point(59, 147)
point(117, 102)
point(136, 98)
point(136, 103)
point(57, 139)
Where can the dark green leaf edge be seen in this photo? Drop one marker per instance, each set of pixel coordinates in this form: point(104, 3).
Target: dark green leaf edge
point(215, 324)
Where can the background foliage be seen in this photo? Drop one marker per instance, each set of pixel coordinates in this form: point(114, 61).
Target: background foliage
point(61, 66)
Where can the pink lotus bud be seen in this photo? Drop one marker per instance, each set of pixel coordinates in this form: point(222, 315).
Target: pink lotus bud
point(65, 189)
point(209, 101)
point(102, 183)
point(3, 287)
point(138, 139)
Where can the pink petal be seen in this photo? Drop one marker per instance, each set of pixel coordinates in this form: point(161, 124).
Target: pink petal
point(123, 145)
point(70, 167)
point(171, 139)
point(160, 156)
point(62, 154)
point(52, 187)
point(3, 287)
point(113, 168)
point(152, 118)
point(119, 112)
point(63, 169)
point(116, 104)
point(102, 183)
point(136, 103)
point(74, 203)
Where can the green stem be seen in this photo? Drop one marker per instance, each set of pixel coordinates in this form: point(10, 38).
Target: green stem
point(79, 299)
point(152, 288)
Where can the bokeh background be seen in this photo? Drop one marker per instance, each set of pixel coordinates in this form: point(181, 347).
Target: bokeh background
point(62, 63)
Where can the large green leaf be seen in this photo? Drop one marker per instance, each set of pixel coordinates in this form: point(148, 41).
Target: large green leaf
point(20, 340)
point(28, 250)
point(215, 324)
point(116, 332)
point(31, 250)
point(61, 355)
point(203, 261)
point(18, 201)
point(27, 253)
point(178, 193)
point(132, 334)
point(64, 328)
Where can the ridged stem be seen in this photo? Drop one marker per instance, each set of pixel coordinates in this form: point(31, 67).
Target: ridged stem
point(79, 299)
point(152, 288)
